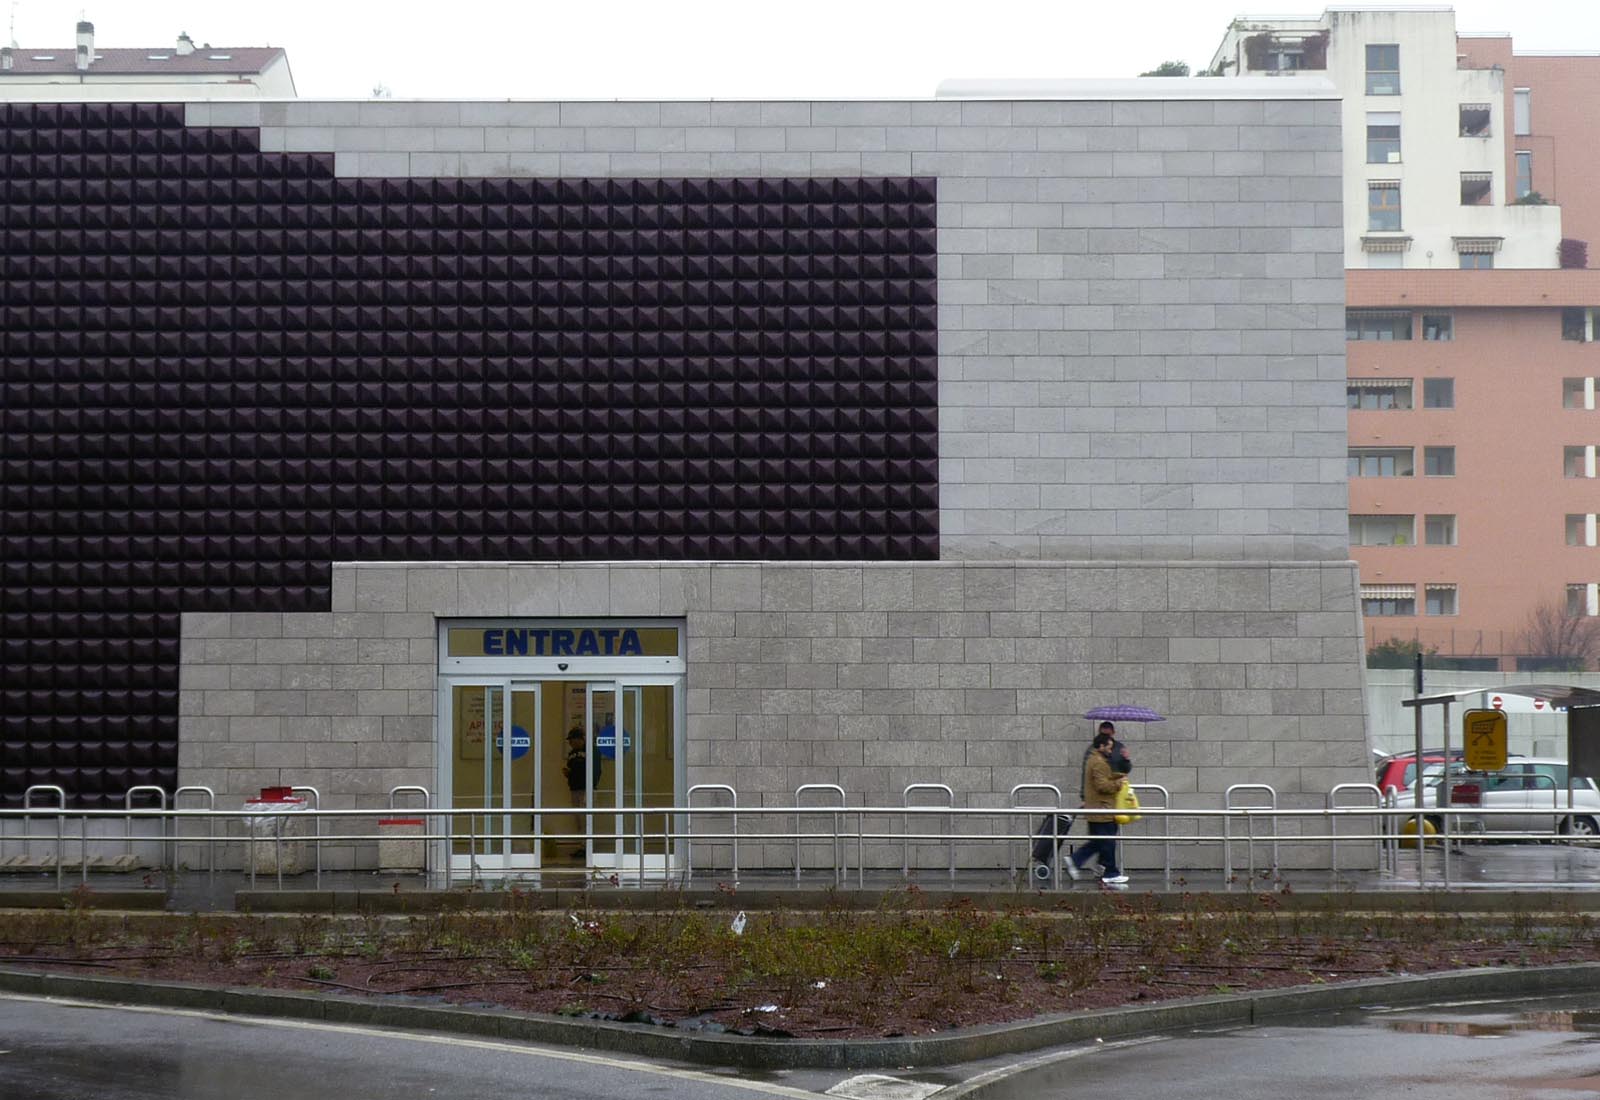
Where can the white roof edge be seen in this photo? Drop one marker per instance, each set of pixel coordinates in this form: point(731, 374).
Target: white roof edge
point(1149, 87)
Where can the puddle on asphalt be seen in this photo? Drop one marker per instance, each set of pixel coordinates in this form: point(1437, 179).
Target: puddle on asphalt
point(1524, 1021)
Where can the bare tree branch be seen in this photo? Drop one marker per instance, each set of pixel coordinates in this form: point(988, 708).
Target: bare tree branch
point(1568, 640)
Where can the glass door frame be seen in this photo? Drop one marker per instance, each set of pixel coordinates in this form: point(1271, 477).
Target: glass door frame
point(498, 818)
point(618, 858)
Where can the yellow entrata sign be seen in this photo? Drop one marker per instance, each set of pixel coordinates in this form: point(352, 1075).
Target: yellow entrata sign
point(566, 640)
point(1483, 736)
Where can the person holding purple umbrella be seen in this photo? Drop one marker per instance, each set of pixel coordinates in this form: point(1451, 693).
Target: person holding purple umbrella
point(1100, 787)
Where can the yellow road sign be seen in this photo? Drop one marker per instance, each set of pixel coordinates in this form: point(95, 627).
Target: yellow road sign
point(1483, 736)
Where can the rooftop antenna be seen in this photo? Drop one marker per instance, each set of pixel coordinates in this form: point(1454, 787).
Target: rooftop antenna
point(13, 31)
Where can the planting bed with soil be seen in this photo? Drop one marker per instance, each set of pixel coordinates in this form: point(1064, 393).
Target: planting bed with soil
point(901, 969)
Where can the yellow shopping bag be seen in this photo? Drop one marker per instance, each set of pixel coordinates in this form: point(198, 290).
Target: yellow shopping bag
point(1126, 801)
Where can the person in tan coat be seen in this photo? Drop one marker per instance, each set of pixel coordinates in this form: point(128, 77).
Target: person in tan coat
point(1100, 787)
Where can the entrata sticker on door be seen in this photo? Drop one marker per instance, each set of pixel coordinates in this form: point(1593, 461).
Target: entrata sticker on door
point(521, 742)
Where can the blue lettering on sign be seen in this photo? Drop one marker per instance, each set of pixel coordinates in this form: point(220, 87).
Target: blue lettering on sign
point(519, 642)
point(520, 742)
point(606, 741)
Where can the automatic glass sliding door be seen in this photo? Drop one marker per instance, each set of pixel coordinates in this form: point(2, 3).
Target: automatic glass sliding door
point(495, 761)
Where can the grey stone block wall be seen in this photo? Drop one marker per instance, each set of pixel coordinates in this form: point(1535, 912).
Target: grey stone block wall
point(1142, 443)
point(869, 676)
point(1140, 302)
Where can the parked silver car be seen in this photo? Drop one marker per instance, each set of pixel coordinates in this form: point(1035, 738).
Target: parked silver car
point(1535, 794)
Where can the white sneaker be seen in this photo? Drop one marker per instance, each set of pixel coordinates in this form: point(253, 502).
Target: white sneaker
point(1072, 870)
point(1115, 880)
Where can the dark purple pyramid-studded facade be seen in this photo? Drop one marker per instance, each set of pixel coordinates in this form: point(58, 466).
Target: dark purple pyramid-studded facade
point(225, 369)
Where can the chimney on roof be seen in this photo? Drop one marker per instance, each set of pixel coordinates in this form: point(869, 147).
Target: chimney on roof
point(5, 59)
point(185, 45)
point(85, 45)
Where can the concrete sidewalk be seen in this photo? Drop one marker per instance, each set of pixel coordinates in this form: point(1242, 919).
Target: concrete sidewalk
point(1475, 868)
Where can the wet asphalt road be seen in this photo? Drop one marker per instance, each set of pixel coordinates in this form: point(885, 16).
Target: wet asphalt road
point(1530, 1050)
point(56, 1051)
point(1516, 1050)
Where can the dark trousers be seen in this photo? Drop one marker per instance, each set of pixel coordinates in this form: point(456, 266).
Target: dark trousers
point(1102, 843)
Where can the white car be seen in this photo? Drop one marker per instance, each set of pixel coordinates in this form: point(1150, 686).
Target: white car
point(1537, 795)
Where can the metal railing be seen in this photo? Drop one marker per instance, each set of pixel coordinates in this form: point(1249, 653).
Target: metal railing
point(973, 836)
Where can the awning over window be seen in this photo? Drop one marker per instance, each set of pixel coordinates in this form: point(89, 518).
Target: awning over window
point(1396, 243)
point(1383, 185)
point(1378, 383)
point(1439, 587)
point(1477, 245)
point(1477, 177)
point(1388, 592)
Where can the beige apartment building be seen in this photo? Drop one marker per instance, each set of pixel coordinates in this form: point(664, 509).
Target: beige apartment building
point(86, 72)
point(1471, 327)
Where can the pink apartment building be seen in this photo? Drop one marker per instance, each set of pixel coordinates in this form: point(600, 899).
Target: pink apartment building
point(1472, 353)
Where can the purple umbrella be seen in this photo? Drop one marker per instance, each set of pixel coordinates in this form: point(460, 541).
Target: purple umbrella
point(1123, 712)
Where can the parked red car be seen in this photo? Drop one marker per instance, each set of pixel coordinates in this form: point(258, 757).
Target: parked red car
point(1400, 770)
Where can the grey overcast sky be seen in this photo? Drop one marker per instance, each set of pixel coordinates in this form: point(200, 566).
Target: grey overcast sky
point(726, 49)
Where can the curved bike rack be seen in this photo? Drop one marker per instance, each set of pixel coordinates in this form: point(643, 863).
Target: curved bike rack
point(61, 822)
point(316, 826)
point(127, 824)
point(1333, 820)
point(1053, 808)
point(1250, 830)
point(427, 824)
point(950, 822)
point(839, 868)
point(211, 826)
point(1166, 825)
point(688, 847)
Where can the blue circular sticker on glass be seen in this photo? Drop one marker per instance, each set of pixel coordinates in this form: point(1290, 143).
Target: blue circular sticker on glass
point(606, 741)
point(521, 742)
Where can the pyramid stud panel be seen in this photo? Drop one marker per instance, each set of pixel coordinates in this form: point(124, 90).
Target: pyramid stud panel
point(224, 369)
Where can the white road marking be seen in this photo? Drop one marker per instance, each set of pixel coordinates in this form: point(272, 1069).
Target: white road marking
point(530, 1049)
point(876, 1086)
point(992, 1075)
